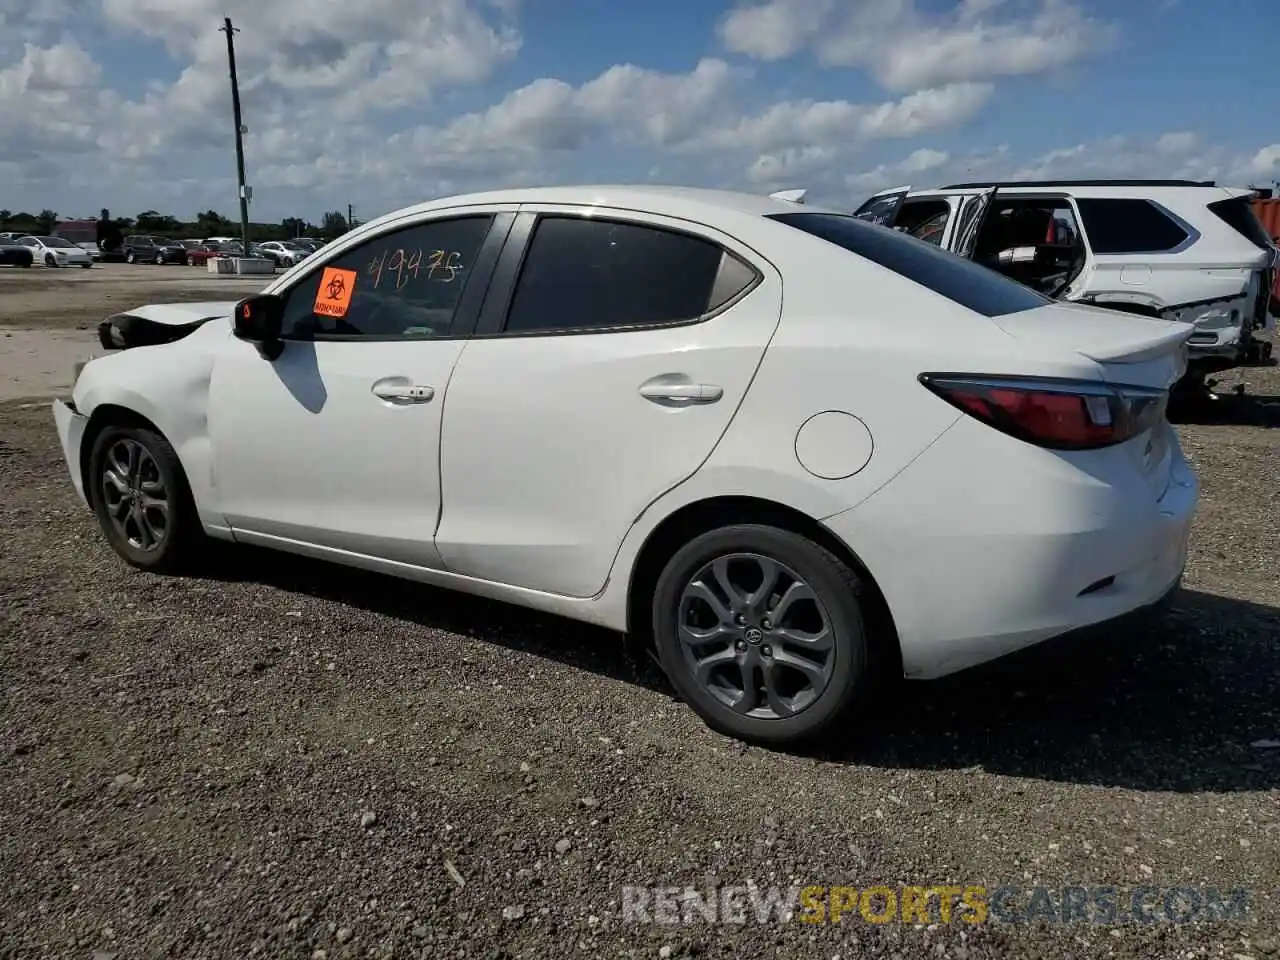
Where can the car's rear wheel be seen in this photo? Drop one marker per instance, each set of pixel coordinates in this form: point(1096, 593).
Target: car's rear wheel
point(142, 500)
point(761, 631)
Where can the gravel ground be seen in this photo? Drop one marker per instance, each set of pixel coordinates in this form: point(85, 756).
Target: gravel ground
point(285, 759)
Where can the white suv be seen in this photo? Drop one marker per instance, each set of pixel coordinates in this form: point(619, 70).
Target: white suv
point(1183, 250)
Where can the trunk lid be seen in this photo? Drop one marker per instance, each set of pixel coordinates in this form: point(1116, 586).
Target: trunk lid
point(1130, 348)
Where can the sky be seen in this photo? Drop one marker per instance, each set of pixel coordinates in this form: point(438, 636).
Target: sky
point(126, 104)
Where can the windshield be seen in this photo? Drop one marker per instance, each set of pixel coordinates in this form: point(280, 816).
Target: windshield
point(55, 242)
point(959, 280)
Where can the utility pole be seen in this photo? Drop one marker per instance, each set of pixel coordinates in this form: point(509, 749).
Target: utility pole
point(351, 222)
point(230, 31)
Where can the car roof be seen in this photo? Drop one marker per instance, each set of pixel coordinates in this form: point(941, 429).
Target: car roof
point(652, 198)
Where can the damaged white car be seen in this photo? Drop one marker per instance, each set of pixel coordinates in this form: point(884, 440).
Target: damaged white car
point(1190, 251)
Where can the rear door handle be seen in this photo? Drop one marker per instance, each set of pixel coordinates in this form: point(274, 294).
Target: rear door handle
point(680, 394)
point(400, 393)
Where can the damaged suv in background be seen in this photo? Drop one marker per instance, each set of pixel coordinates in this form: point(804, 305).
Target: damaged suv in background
point(1183, 250)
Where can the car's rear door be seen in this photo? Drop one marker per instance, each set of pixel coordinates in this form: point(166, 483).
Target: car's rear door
point(614, 349)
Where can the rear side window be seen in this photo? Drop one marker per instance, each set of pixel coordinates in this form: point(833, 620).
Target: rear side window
point(1238, 214)
point(962, 281)
point(1129, 226)
point(591, 274)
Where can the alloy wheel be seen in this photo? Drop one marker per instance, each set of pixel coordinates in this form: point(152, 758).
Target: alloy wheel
point(756, 636)
point(135, 496)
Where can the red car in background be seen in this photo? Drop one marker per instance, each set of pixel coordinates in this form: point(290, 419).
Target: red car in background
point(201, 254)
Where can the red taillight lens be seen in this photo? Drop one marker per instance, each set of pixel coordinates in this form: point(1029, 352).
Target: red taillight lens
point(1059, 414)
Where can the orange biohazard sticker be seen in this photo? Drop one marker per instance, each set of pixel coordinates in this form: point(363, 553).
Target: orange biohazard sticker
point(333, 299)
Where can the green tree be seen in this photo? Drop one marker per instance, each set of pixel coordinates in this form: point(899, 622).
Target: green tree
point(210, 223)
point(334, 225)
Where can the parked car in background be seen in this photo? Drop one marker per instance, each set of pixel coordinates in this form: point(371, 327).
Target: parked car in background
point(14, 254)
point(201, 254)
point(687, 414)
point(94, 251)
point(1188, 251)
point(56, 252)
point(141, 248)
point(285, 253)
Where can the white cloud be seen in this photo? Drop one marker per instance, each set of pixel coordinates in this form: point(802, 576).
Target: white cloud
point(1176, 154)
point(906, 48)
point(383, 102)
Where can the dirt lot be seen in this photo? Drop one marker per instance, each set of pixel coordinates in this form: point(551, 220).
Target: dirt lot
point(48, 317)
point(283, 759)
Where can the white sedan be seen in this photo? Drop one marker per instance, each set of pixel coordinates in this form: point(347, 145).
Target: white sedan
point(56, 252)
point(798, 452)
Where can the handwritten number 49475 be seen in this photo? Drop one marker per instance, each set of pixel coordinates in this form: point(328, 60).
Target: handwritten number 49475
point(442, 266)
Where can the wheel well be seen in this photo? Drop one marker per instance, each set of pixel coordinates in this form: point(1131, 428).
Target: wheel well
point(103, 416)
point(698, 518)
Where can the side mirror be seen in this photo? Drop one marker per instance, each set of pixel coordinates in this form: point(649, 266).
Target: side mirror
point(259, 319)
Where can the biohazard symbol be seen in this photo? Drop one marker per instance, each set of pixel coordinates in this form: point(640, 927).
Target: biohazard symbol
point(333, 296)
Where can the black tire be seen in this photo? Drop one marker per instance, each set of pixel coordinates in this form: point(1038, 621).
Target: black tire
point(26, 264)
point(86, 265)
point(50, 260)
point(838, 591)
point(183, 536)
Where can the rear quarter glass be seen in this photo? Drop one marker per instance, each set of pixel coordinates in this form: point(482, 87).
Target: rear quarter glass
point(979, 289)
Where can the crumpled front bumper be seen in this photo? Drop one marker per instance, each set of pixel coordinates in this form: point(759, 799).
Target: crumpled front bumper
point(71, 426)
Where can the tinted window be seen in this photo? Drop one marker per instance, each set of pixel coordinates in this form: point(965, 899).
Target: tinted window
point(1239, 215)
point(593, 274)
point(401, 284)
point(955, 278)
point(1129, 226)
point(878, 209)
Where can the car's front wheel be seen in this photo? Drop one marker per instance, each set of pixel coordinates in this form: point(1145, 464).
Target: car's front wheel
point(761, 631)
point(159, 259)
point(50, 260)
point(130, 258)
point(142, 500)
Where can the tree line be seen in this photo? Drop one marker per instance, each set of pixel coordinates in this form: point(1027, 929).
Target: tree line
point(208, 223)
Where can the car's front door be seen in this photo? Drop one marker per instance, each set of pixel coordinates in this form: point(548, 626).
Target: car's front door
point(883, 207)
point(335, 443)
point(612, 353)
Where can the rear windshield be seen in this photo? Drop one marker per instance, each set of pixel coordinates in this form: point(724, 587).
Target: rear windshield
point(1238, 214)
point(962, 281)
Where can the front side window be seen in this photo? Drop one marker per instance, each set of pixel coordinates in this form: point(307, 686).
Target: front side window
point(406, 283)
point(591, 274)
point(924, 219)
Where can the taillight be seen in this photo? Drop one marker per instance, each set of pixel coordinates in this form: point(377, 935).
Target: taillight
point(1054, 413)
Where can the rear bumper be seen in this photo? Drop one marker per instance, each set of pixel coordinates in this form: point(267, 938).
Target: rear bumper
point(981, 548)
point(71, 426)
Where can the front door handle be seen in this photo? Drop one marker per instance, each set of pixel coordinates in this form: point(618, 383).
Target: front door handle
point(680, 394)
point(398, 392)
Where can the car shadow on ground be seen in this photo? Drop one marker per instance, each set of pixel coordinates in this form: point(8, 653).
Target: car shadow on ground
point(1228, 408)
point(1175, 706)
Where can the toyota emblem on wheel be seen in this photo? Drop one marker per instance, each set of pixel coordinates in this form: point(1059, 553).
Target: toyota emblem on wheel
point(754, 635)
